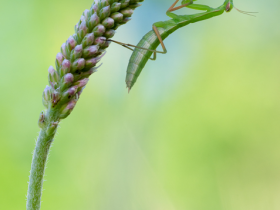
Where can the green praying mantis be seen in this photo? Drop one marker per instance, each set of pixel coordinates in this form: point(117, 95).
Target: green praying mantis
point(161, 30)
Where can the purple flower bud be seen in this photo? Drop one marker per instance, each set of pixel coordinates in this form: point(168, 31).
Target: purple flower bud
point(68, 78)
point(71, 105)
point(90, 51)
point(83, 27)
point(51, 70)
point(53, 77)
point(72, 91)
point(94, 8)
point(72, 42)
point(118, 17)
point(88, 40)
point(99, 30)
point(109, 33)
point(63, 50)
point(93, 21)
point(127, 12)
point(82, 31)
point(115, 7)
point(65, 67)
point(100, 41)
point(82, 18)
point(76, 53)
point(67, 95)
point(91, 63)
point(86, 13)
point(108, 22)
point(59, 58)
point(78, 64)
point(82, 82)
point(47, 93)
point(104, 12)
point(66, 110)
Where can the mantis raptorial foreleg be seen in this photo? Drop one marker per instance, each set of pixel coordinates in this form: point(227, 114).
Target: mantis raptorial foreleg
point(168, 12)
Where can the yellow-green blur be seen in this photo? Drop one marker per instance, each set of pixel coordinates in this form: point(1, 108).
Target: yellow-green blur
point(199, 131)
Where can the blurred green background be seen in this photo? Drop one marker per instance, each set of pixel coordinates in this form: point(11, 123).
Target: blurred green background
point(199, 130)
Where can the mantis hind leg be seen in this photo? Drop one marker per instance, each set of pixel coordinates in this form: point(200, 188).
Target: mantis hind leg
point(154, 51)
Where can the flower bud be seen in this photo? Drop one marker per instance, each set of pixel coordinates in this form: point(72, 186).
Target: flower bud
point(82, 31)
point(99, 30)
point(65, 67)
point(68, 94)
point(53, 77)
point(68, 78)
point(100, 41)
point(66, 49)
point(67, 81)
point(58, 60)
point(63, 50)
point(93, 21)
point(127, 12)
point(103, 3)
point(76, 53)
point(78, 64)
point(47, 94)
point(88, 40)
point(66, 110)
point(93, 61)
point(72, 42)
point(94, 8)
point(82, 18)
point(108, 22)
point(82, 83)
point(104, 12)
point(90, 51)
point(115, 7)
point(117, 17)
point(86, 14)
point(124, 3)
point(109, 33)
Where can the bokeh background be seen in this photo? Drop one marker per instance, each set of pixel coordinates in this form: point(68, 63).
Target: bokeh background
point(199, 130)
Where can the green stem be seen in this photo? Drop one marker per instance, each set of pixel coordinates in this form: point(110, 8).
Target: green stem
point(39, 160)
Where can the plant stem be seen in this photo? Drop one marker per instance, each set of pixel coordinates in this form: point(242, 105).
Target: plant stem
point(39, 160)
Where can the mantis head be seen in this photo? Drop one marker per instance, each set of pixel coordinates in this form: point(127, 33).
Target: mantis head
point(229, 6)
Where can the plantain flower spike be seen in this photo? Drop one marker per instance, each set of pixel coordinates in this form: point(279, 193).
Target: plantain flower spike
point(81, 52)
